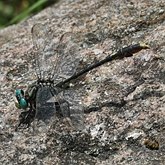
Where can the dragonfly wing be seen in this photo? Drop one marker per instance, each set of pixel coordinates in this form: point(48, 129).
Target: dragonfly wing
point(71, 107)
point(46, 57)
point(68, 50)
point(45, 109)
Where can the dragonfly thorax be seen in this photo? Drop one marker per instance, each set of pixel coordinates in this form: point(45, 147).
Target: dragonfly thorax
point(47, 82)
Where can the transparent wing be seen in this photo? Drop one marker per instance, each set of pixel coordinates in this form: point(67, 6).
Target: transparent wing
point(47, 103)
point(68, 50)
point(71, 107)
point(45, 108)
point(55, 60)
point(45, 52)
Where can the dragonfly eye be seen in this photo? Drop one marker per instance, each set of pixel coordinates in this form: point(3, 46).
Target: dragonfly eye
point(21, 99)
point(18, 94)
point(23, 103)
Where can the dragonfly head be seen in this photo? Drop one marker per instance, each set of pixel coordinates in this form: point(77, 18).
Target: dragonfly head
point(22, 103)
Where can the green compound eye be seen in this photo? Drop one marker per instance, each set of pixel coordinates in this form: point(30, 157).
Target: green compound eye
point(22, 103)
point(17, 92)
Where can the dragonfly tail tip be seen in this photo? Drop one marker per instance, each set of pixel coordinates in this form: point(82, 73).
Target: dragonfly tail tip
point(144, 45)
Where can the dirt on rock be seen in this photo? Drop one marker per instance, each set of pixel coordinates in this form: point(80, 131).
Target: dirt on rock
point(124, 100)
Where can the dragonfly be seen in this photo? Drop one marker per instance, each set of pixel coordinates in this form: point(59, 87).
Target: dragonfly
point(54, 63)
point(55, 67)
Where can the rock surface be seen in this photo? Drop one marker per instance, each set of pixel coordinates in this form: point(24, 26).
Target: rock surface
point(124, 100)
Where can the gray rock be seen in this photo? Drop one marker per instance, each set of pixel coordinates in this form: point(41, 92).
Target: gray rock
point(125, 98)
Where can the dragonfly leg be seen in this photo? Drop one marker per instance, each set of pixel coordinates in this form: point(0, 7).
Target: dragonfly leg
point(26, 118)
